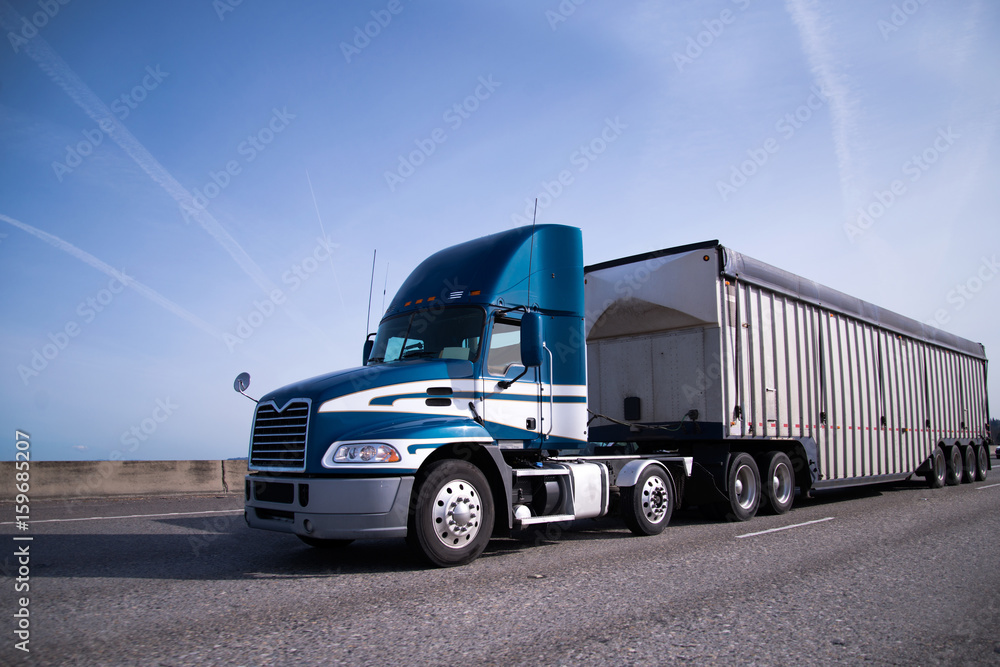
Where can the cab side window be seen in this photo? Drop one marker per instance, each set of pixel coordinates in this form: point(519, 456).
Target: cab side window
point(505, 347)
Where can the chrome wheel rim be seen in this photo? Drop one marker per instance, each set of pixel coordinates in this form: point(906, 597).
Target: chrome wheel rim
point(456, 513)
point(746, 490)
point(655, 499)
point(781, 483)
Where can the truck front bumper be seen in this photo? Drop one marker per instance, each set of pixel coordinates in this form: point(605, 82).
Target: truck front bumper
point(329, 509)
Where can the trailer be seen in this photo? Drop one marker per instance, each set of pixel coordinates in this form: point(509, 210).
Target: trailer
point(729, 357)
point(509, 387)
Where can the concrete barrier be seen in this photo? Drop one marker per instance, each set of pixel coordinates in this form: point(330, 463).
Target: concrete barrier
point(97, 479)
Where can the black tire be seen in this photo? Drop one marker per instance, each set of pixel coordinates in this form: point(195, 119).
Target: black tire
point(953, 458)
point(324, 544)
point(968, 464)
point(938, 472)
point(777, 483)
point(982, 463)
point(451, 516)
point(742, 487)
point(647, 506)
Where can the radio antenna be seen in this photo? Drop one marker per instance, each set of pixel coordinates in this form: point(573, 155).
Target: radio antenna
point(371, 285)
point(384, 285)
point(531, 250)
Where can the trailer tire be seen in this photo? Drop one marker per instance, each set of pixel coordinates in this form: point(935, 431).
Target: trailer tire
point(982, 463)
point(320, 543)
point(778, 483)
point(968, 464)
point(938, 472)
point(451, 516)
point(742, 488)
point(648, 506)
point(953, 477)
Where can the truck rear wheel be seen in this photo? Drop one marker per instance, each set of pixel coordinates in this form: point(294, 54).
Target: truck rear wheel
point(648, 506)
point(953, 476)
point(778, 482)
point(982, 463)
point(939, 469)
point(451, 518)
point(968, 464)
point(744, 488)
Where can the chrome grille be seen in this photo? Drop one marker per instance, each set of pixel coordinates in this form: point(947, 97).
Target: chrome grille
point(279, 437)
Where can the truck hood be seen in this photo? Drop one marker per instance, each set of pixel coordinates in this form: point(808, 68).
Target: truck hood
point(367, 379)
point(417, 403)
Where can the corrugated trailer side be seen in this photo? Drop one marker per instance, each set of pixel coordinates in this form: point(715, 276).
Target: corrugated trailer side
point(875, 391)
point(702, 349)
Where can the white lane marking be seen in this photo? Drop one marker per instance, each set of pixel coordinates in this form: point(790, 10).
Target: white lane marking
point(794, 525)
point(988, 486)
point(127, 516)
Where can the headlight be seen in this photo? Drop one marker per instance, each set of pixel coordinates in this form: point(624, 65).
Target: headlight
point(366, 453)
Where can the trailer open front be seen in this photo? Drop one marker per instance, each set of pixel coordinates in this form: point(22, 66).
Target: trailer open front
point(508, 387)
point(714, 353)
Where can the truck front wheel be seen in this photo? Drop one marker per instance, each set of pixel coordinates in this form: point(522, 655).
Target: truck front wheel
point(647, 506)
point(451, 517)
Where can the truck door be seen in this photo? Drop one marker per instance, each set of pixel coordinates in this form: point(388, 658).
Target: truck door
point(511, 393)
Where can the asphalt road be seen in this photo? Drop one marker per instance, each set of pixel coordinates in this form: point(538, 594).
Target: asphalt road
point(897, 575)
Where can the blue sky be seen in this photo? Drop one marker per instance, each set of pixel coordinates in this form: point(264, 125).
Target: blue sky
point(178, 176)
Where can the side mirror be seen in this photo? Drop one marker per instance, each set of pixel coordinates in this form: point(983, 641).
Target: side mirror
point(531, 340)
point(242, 382)
point(369, 346)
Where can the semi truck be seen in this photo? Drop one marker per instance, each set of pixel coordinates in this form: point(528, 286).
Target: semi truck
point(509, 387)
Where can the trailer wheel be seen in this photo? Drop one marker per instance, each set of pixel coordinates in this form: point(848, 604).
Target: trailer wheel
point(451, 518)
point(982, 463)
point(324, 544)
point(939, 469)
point(968, 464)
point(743, 489)
point(648, 506)
point(953, 477)
point(779, 482)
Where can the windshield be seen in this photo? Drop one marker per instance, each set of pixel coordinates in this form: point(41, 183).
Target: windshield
point(451, 333)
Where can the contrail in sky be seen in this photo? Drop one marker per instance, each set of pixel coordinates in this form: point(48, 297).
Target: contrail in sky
point(128, 281)
point(814, 31)
point(56, 68)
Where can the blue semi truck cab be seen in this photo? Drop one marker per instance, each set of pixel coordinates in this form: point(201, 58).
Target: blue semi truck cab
point(467, 418)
